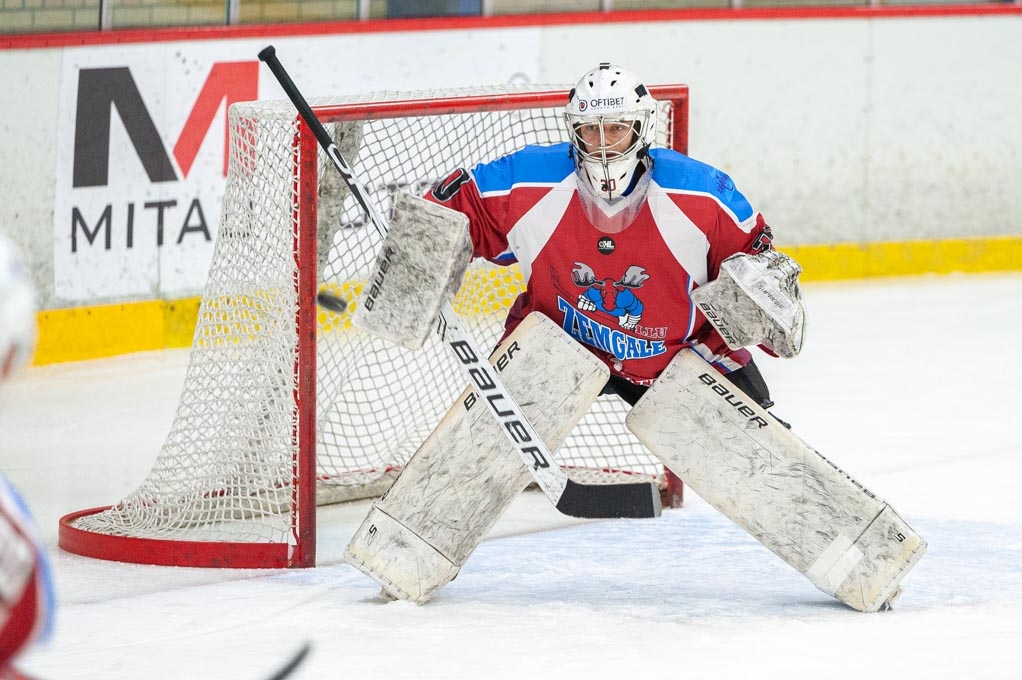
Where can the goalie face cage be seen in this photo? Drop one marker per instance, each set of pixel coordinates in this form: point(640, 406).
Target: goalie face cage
point(286, 404)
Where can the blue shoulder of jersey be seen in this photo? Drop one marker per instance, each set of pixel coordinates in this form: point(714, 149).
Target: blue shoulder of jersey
point(530, 165)
point(673, 170)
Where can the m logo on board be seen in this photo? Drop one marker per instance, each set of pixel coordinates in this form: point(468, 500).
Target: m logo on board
point(141, 166)
point(104, 90)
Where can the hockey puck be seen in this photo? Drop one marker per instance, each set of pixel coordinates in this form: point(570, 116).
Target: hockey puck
point(331, 302)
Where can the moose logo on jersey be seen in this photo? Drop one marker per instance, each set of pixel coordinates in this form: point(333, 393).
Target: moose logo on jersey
point(611, 297)
point(615, 299)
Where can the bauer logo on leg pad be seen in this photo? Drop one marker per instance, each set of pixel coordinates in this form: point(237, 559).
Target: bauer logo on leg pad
point(730, 396)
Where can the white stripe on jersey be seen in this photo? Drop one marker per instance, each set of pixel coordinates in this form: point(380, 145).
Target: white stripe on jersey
point(685, 240)
point(535, 227)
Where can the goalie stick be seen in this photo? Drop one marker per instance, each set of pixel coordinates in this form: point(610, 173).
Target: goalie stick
point(569, 497)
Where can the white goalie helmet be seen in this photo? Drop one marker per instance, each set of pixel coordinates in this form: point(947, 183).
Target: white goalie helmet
point(607, 95)
point(17, 311)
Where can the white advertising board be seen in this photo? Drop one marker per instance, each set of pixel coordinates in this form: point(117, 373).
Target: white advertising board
point(141, 148)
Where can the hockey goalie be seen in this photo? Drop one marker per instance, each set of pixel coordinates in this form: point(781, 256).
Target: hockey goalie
point(648, 276)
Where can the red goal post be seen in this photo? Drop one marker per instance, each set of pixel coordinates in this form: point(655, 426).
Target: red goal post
point(285, 405)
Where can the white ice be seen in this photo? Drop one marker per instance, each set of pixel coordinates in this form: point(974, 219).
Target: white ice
point(910, 385)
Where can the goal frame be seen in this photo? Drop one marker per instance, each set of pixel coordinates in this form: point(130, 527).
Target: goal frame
point(300, 550)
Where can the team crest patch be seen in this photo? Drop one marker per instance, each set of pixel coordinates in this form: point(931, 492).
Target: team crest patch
point(607, 339)
point(615, 308)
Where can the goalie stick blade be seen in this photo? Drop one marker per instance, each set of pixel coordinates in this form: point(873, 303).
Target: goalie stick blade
point(610, 501)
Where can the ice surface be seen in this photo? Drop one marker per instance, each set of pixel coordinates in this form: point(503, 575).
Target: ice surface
point(909, 385)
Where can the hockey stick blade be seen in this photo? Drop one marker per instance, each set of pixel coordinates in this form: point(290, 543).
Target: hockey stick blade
point(611, 501)
point(601, 499)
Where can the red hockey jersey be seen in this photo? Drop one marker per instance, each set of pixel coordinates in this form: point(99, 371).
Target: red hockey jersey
point(623, 295)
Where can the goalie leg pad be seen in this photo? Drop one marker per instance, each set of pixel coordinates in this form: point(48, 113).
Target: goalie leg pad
point(466, 473)
point(741, 460)
point(415, 569)
point(420, 266)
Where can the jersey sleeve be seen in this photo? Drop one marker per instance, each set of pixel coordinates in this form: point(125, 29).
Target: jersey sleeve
point(738, 229)
point(751, 236)
point(715, 206)
point(486, 215)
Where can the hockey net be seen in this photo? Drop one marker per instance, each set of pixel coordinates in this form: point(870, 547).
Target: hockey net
point(285, 404)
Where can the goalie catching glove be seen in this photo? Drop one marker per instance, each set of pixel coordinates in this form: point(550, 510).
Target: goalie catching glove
point(756, 300)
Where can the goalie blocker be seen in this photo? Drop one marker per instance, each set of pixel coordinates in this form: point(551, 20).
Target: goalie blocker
point(419, 267)
point(745, 463)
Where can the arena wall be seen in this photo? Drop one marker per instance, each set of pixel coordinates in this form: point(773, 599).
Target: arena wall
point(876, 142)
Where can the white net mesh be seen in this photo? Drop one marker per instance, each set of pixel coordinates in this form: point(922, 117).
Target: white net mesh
point(227, 471)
